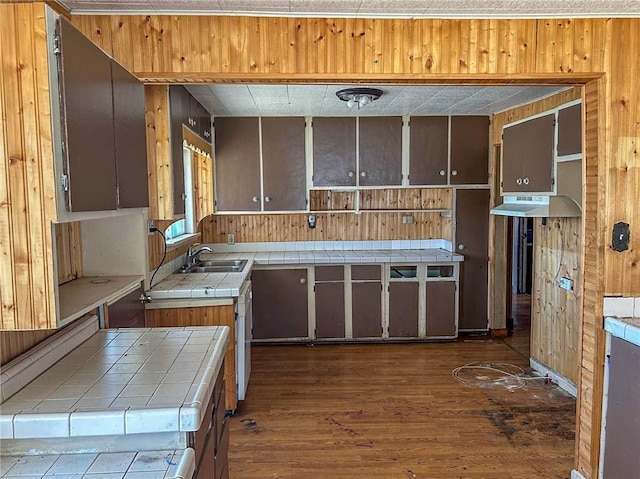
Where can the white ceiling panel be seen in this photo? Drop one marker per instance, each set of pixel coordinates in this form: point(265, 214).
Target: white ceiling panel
point(321, 100)
point(368, 8)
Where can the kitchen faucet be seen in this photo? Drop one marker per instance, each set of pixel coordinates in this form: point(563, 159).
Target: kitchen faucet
point(193, 255)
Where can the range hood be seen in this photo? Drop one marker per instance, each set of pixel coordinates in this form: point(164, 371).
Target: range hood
point(564, 203)
point(538, 207)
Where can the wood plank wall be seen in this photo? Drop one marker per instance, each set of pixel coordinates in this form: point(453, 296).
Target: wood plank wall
point(330, 227)
point(68, 251)
point(187, 48)
point(200, 48)
point(14, 343)
point(556, 313)
point(27, 188)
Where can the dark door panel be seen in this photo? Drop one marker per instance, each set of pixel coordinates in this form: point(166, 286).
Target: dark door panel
point(88, 115)
point(334, 151)
point(527, 152)
point(441, 308)
point(428, 150)
point(403, 309)
point(380, 148)
point(469, 150)
point(330, 310)
point(621, 458)
point(366, 310)
point(329, 273)
point(472, 241)
point(283, 156)
point(237, 164)
point(280, 303)
point(130, 138)
point(177, 110)
point(570, 130)
point(366, 271)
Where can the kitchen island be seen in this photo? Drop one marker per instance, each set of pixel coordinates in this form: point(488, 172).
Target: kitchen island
point(121, 390)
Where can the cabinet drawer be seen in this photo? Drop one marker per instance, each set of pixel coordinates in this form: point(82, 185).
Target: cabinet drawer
point(219, 420)
point(366, 272)
point(203, 434)
point(329, 273)
point(222, 454)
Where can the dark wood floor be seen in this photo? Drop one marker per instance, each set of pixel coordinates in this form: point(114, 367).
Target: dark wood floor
point(519, 338)
point(394, 411)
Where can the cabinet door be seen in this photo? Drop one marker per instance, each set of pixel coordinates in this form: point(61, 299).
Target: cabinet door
point(380, 149)
point(403, 309)
point(469, 150)
point(279, 305)
point(329, 310)
point(570, 130)
point(334, 152)
point(623, 412)
point(472, 241)
point(428, 150)
point(237, 159)
point(195, 114)
point(441, 308)
point(283, 164)
point(88, 122)
point(204, 122)
point(527, 156)
point(366, 310)
point(177, 108)
point(130, 138)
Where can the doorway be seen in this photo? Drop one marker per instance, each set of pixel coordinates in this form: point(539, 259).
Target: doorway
point(520, 280)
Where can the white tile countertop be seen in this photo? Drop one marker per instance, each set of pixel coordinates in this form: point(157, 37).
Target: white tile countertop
point(121, 381)
point(624, 328)
point(225, 285)
point(169, 464)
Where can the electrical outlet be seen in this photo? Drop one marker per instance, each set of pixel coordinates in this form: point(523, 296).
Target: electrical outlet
point(231, 239)
point(566, 283)
point(407, 219)
point(150, 227)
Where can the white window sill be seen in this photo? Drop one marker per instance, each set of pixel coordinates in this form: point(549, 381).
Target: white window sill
point(182, 240)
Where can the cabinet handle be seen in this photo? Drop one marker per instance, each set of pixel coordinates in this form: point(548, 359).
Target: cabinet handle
point(454, 172)
point(184, 196)
point(267, 199)
point(363, 174)
point(460, 247)
point(303, 280)
point(442, 172)
point(519, 181)
point(526, 181)
point(255, 199)
point(350, 174)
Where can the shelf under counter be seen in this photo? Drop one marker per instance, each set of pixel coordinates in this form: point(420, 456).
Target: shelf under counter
point(82, 295)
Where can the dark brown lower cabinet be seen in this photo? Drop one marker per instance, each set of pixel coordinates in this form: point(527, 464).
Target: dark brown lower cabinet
point(329, 310)
point(211, 441)
point(127, 312)
point(280, 308)
point(622, 445)
point(366, 309)
point(403, 309)
point(441, 308)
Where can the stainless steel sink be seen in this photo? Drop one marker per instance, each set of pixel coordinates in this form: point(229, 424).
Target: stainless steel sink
point(216, 266)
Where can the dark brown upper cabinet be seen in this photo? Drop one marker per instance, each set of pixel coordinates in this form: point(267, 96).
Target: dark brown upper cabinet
point(428, 150)
point(130, 138)
point(103, 127)
point(283, 160)
point(334, 152)
point(178, 110)
point(527, 156)
point(570, 130)
point(380, 151)
point(469, 150)
point(237, 164)
point(87, 122)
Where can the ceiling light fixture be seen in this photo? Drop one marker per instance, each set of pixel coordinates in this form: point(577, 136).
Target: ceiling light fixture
point(358, 96)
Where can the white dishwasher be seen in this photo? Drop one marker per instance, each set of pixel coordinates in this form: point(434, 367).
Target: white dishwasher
point(243, 339)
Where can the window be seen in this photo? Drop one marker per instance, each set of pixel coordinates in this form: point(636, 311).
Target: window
point(184, 227)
